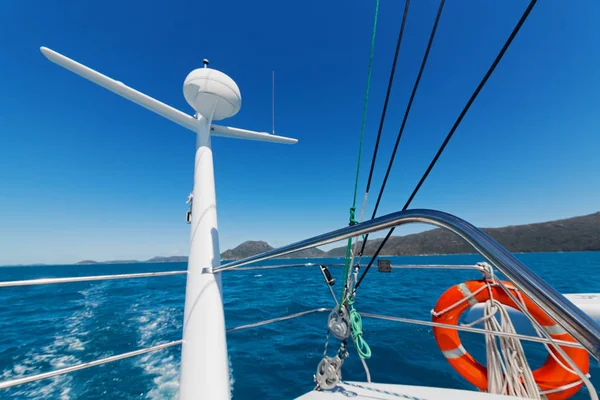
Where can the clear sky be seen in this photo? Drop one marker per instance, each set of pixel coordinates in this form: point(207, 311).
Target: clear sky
point(85, 174)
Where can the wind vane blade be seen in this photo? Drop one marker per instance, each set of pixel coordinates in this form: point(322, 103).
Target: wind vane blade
point(237, 133)
point(121, 89)
point(154, 105)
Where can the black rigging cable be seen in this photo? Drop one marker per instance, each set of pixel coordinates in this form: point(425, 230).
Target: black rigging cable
point(454, 127)
point(387, 95)
point(405, 118)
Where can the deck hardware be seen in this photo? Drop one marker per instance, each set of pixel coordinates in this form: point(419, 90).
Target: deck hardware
point(339, 322)
point(328, 278)
point(329, 372)
point(384, 266)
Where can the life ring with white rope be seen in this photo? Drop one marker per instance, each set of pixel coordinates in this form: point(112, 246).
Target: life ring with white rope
point(552, 378)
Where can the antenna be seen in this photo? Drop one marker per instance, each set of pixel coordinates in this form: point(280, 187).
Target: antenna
point(164, 110)
point(273, 104)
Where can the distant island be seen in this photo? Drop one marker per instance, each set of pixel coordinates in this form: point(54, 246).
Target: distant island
point(152, 260)
point(572, 234)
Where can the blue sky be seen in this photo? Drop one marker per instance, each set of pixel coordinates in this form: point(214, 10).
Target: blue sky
point(85, 174)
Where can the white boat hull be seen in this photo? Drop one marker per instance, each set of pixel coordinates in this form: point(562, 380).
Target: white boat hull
point(383, 391)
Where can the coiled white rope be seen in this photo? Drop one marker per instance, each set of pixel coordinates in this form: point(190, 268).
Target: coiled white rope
point(508, 370)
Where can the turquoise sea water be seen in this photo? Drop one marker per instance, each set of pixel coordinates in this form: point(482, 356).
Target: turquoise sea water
point(48, 327)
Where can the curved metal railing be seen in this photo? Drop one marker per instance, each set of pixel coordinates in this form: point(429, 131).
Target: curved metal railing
point(566, 314)
point(574, 321)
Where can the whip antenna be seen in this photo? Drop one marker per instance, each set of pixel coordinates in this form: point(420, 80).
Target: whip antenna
point(273, 103)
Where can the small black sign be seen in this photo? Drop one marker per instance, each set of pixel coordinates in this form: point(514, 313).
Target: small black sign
point(384, 266)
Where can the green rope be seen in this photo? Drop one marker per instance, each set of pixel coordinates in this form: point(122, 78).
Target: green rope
point(364, 119)
point(362, 135)
point(362, 348)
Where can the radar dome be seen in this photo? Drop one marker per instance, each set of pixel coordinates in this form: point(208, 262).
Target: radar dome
point(207, 89)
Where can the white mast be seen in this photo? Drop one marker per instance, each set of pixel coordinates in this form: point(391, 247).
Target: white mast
point(214, 96)
point(204, 361)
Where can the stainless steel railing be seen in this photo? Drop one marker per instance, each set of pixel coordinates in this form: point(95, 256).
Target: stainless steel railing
point(566, 314)
point(51, 281)
point(91, 278)
point(38, 377)
point(84, 365)
point(61, 371)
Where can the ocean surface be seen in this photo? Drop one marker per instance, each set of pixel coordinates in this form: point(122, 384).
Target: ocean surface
point(47, 327)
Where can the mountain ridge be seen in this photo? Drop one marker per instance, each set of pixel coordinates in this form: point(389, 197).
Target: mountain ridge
point(581, 233)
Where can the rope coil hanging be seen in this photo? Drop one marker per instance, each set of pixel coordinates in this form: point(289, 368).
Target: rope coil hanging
point(507, 371)
point(362, 347)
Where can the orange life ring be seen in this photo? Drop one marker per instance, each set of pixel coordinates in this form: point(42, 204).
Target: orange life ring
point(550, 376)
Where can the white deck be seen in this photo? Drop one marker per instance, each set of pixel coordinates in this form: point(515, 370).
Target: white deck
point(382, 391)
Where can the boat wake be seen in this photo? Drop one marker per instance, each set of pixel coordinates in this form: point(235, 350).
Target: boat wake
point(69, 342)
point(162, 366)
point(157, 326)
